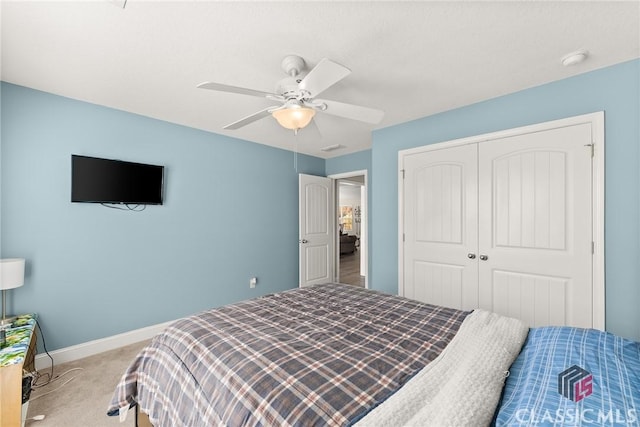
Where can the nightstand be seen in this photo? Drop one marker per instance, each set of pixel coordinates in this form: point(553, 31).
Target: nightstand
point(17, 357)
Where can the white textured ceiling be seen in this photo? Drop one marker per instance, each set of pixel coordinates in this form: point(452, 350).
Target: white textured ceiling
point(410, 59)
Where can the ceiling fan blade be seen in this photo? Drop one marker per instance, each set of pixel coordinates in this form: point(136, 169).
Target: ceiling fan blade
point(350, 111)
point(324, 75)
point(250, 119)
point(241, 90)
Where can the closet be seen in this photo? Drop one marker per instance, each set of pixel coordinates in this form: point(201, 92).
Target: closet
point(508, 222)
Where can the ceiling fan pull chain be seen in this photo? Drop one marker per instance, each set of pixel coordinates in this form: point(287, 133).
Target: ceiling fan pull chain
point(295, 150)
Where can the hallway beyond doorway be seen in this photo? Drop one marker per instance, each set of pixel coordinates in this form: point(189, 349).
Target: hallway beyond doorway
point(350, 269)
point(351, 220)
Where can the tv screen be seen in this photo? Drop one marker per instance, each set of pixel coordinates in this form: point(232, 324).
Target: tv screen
point(95, 180)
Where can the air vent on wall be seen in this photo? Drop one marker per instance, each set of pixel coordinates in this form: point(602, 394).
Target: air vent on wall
point(331, 147)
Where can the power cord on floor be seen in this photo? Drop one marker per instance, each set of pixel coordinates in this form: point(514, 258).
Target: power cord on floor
point(50, 378)
point(56, 378)
point(36, 375)
point(55, 389)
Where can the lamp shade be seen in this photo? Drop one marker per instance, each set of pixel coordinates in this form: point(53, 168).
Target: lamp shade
point(294, 117)
point(11, 273)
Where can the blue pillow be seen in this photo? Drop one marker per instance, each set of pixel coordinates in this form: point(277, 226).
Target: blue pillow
point(573, 377)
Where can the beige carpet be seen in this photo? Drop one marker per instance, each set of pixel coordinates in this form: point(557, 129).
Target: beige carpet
point(83, 401)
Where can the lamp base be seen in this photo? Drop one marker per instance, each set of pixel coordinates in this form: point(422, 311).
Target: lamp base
point(8, 320)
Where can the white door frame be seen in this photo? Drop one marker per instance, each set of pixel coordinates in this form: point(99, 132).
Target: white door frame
point(364, 239)
point(596, 120)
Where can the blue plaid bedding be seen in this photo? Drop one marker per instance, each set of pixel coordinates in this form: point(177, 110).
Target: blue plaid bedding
point(573, 377)
point(318, 356)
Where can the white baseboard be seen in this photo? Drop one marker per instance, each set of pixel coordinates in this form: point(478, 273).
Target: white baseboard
point(79, 351)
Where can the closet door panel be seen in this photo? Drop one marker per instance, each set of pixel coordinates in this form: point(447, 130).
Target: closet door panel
point(535, 223)
point(535, 299)
point(440, 220)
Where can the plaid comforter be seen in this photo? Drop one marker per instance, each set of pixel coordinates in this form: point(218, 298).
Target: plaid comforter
point(324, 355)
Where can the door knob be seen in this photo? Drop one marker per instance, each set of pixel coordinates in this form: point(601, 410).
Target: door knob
point(471, 256)
point(484, 257)
point(304, 241)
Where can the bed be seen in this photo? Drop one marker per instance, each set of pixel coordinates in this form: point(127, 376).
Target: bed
point(339, 355)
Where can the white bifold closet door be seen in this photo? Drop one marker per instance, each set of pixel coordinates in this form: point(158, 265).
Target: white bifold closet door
point(441, 227)
point(504, 225)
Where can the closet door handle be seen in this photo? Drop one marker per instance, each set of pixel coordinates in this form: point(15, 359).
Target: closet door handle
point(471, 256)
point(484, 257)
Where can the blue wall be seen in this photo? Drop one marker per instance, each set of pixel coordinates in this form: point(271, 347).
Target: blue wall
point(230, 213)
point(230, 208)
point(358, 161)
point(616, 90)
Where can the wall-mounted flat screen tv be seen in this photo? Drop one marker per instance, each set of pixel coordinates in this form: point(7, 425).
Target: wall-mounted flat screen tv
point(95, 180)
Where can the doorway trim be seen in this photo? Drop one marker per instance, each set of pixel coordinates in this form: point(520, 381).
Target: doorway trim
point(364, 238)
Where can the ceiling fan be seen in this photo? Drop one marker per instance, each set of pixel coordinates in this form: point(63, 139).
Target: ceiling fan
point(297, 96)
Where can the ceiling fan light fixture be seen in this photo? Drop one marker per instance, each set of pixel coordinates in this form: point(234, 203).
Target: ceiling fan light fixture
point(294, 117)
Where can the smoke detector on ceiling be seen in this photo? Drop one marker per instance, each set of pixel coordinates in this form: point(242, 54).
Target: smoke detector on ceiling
point(574, 58)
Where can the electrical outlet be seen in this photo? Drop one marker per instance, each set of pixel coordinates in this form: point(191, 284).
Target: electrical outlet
point(252, 282)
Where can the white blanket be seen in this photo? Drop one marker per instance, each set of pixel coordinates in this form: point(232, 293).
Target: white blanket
point(462, 386)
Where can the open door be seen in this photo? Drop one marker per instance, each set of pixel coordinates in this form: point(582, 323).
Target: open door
point(317, 230)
